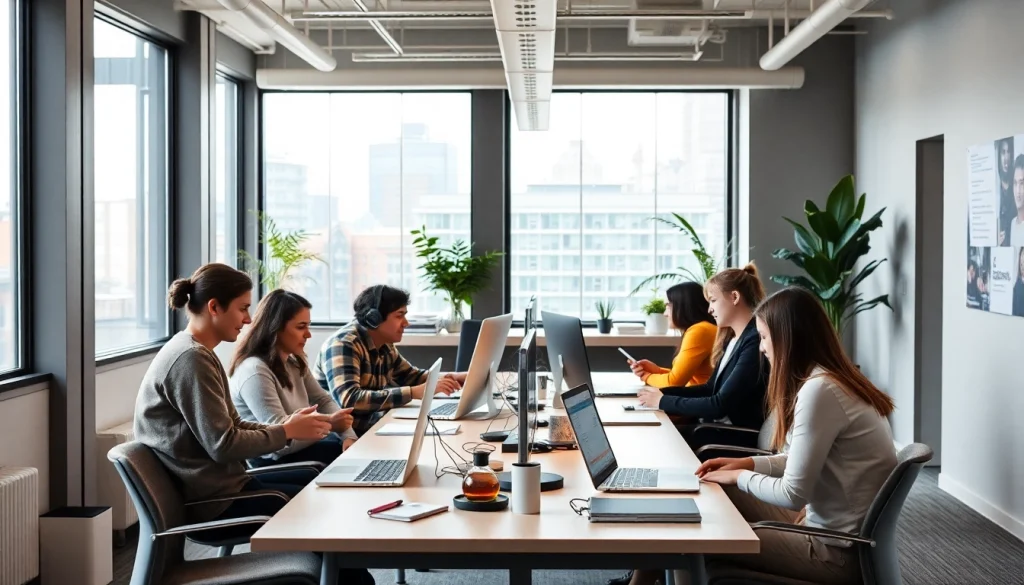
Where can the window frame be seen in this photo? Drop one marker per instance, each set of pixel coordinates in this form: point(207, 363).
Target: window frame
point(141, 31)
point(730, 220)
point(261, 196)
point(20, 205)
point(239, 115)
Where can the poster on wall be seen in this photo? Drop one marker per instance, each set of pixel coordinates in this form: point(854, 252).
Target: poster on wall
point(995, 226)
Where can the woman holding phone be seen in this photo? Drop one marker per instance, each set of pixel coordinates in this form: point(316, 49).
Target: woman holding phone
point(687, 308)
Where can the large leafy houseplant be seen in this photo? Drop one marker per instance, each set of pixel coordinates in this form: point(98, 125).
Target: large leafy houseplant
point(828, 250)
point(454, 271)
point(285, 250)
point(707, 265)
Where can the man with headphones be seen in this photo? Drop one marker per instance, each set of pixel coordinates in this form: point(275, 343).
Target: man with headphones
point(361, 367)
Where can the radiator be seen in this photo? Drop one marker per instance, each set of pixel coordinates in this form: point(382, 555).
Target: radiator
point(110, 487)
point(19, 525)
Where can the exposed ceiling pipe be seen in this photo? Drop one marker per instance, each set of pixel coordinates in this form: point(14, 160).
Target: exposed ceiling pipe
point(455, 57)
point(569, 78)
point(381, 31)
point(575, 15)
point(829, 15)
point(283, 32)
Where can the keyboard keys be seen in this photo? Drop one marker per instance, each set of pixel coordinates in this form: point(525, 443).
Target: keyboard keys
point(382, 470)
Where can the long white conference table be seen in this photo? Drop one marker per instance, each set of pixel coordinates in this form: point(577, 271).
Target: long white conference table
point(334, 520)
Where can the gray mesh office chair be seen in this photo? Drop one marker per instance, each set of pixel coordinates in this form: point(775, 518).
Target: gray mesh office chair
point(876, 540)
point(160, 560)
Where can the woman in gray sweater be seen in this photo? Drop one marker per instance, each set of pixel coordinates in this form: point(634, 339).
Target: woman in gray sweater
point(185, 415)
point(270, 380)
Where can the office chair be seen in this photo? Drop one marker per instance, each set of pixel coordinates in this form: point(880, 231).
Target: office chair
point(735, 448)
point(467, 343)
point(160, 560)
point(875, 541)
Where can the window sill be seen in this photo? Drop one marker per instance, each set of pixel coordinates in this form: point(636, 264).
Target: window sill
point(135, 354)
point(20, 384)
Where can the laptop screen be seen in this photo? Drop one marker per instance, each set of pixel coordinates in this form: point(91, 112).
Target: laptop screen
point(590, 435)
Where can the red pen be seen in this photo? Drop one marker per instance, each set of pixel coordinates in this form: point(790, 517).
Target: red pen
point(385, 507)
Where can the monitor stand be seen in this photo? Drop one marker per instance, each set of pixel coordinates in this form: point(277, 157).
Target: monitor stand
point(548, 481)
point(557, 375)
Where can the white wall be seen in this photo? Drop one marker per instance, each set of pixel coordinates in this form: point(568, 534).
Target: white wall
point(25, 434)
point(944, 67)
point(117, 386)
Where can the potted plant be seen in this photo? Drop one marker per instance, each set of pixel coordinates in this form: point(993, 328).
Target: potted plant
point(604, 316)
point(454, 272)
point(829, 250)
point(285, 251)
point(656, 322)
point(707, 265)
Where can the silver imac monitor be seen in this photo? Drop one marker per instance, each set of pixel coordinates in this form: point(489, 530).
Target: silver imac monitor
point(527, 400)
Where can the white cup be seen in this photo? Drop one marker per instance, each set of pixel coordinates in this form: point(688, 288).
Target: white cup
point(542, 386)
point(526, 488)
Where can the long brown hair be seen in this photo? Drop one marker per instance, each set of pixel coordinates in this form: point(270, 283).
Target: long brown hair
point(744, 281)
point(275, 311)
point(803, 338)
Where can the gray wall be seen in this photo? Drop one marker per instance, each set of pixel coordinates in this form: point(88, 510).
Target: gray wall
point(944, 67)
point(799, 144)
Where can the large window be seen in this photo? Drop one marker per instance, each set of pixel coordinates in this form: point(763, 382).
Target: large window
point(583, 193)
point(227, 158)
point(10, 188)
point(357, 172)
point(131, 189)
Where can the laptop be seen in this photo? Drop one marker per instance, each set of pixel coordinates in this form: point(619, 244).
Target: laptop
point(601, 464)
point(477, 395)
point(345, 472)
point(644, 509)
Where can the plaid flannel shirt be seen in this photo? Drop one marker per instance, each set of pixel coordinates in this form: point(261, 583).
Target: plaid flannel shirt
point(370, 380)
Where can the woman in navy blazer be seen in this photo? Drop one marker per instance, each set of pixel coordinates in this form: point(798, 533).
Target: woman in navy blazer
point(735, 393)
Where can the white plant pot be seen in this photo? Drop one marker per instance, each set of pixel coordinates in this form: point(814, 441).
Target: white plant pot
point(656, 325)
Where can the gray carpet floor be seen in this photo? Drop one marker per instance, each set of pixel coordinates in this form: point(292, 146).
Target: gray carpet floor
point(942, 542)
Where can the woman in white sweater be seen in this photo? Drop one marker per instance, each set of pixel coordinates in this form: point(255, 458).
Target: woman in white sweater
point(834, 442)
point(270, 379)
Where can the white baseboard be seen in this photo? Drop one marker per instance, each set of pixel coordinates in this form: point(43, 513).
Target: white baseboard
point(982, 506)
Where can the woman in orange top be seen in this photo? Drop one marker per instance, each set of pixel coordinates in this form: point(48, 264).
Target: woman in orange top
point(688, 311)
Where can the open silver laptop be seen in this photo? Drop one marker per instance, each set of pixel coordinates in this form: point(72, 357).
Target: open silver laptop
point(601, 464)
point(478, 391)
point(345, 472)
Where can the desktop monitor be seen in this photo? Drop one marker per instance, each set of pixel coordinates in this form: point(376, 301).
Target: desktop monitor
point(530, 314)
point(564, 337)
point(527, 401)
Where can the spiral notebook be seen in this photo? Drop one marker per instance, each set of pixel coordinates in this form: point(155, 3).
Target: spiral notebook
point(411, 511)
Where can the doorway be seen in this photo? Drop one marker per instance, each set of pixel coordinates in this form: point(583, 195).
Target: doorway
point(928, 296)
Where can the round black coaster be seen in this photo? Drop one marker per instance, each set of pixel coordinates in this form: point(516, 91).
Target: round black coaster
point(548, 481)
point(495, 505)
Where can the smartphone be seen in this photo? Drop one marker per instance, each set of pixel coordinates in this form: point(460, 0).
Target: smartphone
point(629, 357)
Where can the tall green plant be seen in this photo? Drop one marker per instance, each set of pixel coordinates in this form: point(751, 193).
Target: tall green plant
point(454, 272)
point(707, 265)
point(285, 251)
point(828, 251)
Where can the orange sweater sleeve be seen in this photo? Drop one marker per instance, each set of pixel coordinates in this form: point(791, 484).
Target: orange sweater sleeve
point(693, 359)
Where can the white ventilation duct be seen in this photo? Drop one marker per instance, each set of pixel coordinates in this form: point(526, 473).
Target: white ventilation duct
point(569, 78)
point(279, 29)
point(828, 16)
point(526, 36)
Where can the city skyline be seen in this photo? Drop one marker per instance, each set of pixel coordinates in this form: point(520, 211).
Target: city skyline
point(663, 173)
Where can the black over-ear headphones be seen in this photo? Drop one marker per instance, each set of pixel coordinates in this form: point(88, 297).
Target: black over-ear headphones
point(371, 318)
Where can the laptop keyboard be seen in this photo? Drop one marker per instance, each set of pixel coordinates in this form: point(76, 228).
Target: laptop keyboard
point(381, 470)
point(634, 477)
point(446, 409)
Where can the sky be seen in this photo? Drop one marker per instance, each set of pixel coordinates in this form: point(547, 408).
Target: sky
point(6, 85)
